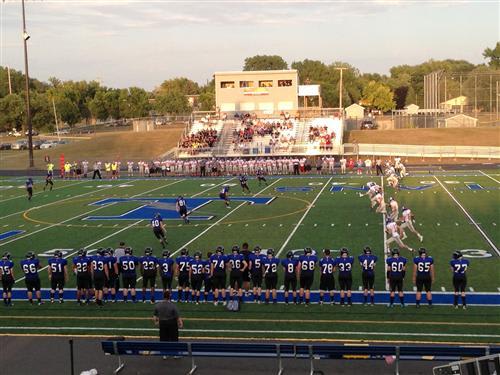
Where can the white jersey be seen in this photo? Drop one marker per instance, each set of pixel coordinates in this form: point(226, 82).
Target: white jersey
point(406, 215)
point(392, 227)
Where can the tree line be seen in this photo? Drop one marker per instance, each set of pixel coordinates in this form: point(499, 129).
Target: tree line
point(86, 101)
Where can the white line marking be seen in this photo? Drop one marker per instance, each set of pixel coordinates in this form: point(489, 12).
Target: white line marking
point(443, 289)
point(487, 175)
point(41, 192)
point(471, 289)
point(303, 217)
point(385, 239)
point(470, 218)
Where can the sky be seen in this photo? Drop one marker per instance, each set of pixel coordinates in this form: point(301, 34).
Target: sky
point(141, 43)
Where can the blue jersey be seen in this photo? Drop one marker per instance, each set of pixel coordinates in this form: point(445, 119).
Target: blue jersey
point(29, 183)
point(459, 266)
point(166, 266)
point(344, 265)
point(236, 262)
point(367, 262)
point(256, 261)
point(183, 264)
point(290, 267)
point(197, 267)
point(396, 266)
point(156, 222)
point(149, 264)
point(181, 202)
point(224, 190)
point(99, 265)
point(128, 265)
point(243, 180)
point(206, 269)
point(110, 262)
point(30, 268)
point(308, 264)
point(271, 266)
point(56, 266)
point(6, 267)
point(327, 265)
point(423, 265)
point(82, 265)
point(219, 263)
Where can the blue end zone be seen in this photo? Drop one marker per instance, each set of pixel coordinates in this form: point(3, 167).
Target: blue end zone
point(10, 233)
point(288, 189)
point(151, 206)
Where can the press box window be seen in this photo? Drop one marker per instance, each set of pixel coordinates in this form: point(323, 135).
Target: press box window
point(227, 84)
point(265, 83)
point(246, 83)
point(284, 82)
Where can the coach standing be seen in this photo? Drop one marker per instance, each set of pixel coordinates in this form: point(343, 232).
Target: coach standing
point(166, 316)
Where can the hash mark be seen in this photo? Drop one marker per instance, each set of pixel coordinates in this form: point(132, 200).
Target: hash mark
point(471, 289)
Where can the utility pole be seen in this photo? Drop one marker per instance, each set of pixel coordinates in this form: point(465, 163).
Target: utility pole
point(27, 79)
point(55, 118)
point(10, 82)
point(341, 90)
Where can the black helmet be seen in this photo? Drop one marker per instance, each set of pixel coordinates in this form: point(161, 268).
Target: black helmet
point(367, 250)
point(109, 251)
point(30, 255)
point(422, 251)
point(209, 254)
point(166, 253)
point(197, 254)
point(220, 249)
point(326, 251)
point(6, 256)
point(270, 251)
point(395, 251)
point(289, 254)
point(457, 254)
point(100, 251)
point(344, 251)
point(236, 248)
point(307, 250)
point(184, 252)
point(82, 252)
point(128, 250)
point(257, 248)
point(148, 251)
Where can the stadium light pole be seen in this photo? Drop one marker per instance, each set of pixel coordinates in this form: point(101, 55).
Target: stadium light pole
point(341, 89)
point(27, 82)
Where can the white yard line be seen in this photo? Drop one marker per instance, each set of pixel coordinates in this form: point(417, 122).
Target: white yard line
point(385, 238)
point(221, 219)
point(487, 175)
point(42, 191)
point(303, 217)
point(470, 218)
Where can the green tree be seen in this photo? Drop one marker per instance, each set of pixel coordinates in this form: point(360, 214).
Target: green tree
point(265, 62)
point(134, 102)
point(97, 105)
point(112, 103)
point(68, 110)
point(379, 96)
point(207, 96)
point(172, 102)
point(12, 110)
point(41, 111)
point(179, 85)
point(493, 55)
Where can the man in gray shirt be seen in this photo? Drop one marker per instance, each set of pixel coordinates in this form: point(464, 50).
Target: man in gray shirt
point(119, 251)
point(166, 316)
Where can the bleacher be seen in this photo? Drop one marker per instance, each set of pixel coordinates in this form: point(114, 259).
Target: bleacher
point(201, 149)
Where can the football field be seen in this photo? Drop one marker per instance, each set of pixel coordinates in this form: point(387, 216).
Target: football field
point(453, 210)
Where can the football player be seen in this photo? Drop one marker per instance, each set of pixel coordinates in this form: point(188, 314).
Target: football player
point(7, 275)
point(392, 229)
point(256, 270)
point(81, 268)
point(58, 275)
point(459, 267)
point(166, 266)
point(30, 267)
point(99, 272)
point(244, 183)
point(181, 207)
point(182, 274)
point(344, 264)
point(218, 265)
point(270, 265)
point(128, 269)
point(224, 195)
point(327, 281)
point(196, 271)
point(393, 181)
point(238, 266)
point(159, 229)
point(379, 200)
point(396, 271)
point(48, 178)
point(423, 275)
point(307, 265)
point(393, 204)
point(407, 222)
point(112, 282)
point(29, 187)
point(290, 269)
point(260, 176)
point(368, 261)
point(207, 280)
point(245, 251)
point(149, 265)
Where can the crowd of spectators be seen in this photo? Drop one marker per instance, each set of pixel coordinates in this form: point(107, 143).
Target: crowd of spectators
point(201, 139)
point(322, 136)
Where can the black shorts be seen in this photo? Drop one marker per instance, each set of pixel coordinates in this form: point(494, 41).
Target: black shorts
point(244, 186)
point(459, 283)
point(149, 280)
point(183, 210)
point(246, 276)
point(271, 281)
point(159, 233)
point(30, 191)
point(222, 196)
point(83, 281)
point(208, 285)
point(306, 281)
point(396, 284)
point(368, 280)
point(166, 282)
point(129, 282)
point(257, 280)
point(345, 282)
point(7, 283)
point(219, 281)
point(99, 282)
point(235, 279)
point(196, 282)
point(290, 283)
point(327, 282)
point(112, 282)
point(183, 281)
point(261, 178)
point(57, 282)
point(32, 284)
point(423, 282)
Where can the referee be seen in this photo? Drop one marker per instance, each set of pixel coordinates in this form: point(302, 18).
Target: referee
point(166, 316)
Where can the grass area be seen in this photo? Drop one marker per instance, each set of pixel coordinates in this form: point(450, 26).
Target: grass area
point(55, 220)
point(431, 137)
point(100, 146)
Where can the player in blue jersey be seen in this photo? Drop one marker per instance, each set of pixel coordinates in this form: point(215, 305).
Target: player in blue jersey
point(166, 268)
point(260, 176)
point(182, 274)
point(271, 265)
point(29, 188)
point(7, 276)
point(237, 266)
point(245, 251)
point(218, 265)
point(128, 269)
point(159, 229)
point(423, 275)
point(207, 280)
point(290, 265)
point(112, 282)
point(100, 273)
point(459, 267)
point(224, 195)
point(327, 267)
point(196, 272)
point(48, 180)
point(256, 272)
point(81, 268)
point(396, 271)
point(307, 265)
point(344, 264)
point(181, 207)
point(30, 267)
point(367, 261)
point(244, 183)
point(149, 266)
point(58, 275)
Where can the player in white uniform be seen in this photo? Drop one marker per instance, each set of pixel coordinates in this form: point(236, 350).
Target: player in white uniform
point(407, 222)
point(130, 168)
point(373, 189)
point(379, 200)
point(343, 165)
point(393, 181)
point(392, 229)
point(394, 209)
